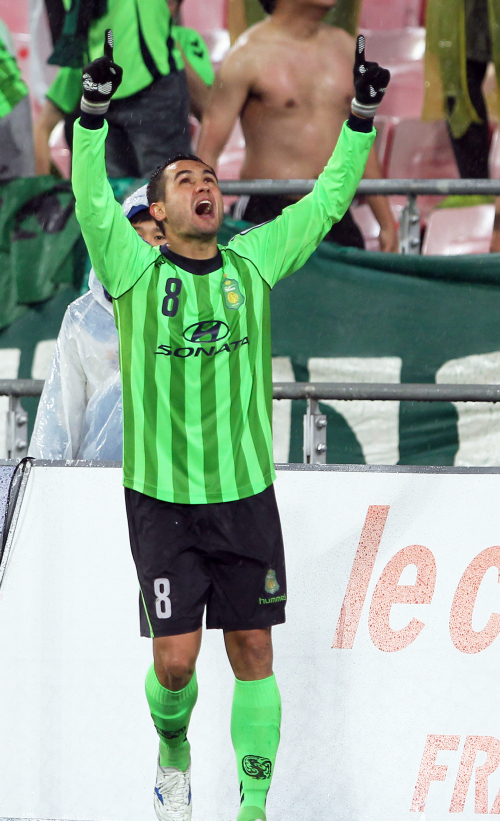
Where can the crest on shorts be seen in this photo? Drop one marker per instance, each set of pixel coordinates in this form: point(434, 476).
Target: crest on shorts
point(271, 586)
point(231, 292)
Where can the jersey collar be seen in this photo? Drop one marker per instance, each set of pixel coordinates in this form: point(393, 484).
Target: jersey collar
point(200, 267)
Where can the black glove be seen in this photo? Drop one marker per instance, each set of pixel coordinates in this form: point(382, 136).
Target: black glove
point(370, 82)
point(100, 78)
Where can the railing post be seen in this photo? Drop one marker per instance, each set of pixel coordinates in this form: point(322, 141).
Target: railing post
point(314, 435)
point(409, 227)
point(17, 429)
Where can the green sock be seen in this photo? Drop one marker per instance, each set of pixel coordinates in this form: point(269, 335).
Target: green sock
point(171, 712)
point(255, 730)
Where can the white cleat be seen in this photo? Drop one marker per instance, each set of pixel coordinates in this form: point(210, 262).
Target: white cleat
point(172, 796)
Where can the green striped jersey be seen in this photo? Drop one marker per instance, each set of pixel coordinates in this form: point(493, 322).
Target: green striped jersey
point(195, 342)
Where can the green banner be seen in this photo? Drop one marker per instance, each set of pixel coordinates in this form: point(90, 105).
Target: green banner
point(42, 261)
point(348, 315)
point(41, 247)
point(351, 315)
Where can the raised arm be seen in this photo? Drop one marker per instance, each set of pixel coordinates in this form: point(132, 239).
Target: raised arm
point(227, 99)
point(280, 247)
point(115, 249)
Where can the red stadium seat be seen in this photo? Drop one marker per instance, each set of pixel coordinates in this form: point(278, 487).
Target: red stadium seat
point(459, 230)
point(14, 13)
point(494, 160)
point(405, 97)
point(395, 46)
point(218, 43)
point(383, 143)
point(421, 151)
point(369, 226)
point(390, 14)
point(59, 151)
point(205, 15)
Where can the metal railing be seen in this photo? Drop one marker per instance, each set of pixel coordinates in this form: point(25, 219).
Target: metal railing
point(17, 417)
point(409, 224)
point(315, 423)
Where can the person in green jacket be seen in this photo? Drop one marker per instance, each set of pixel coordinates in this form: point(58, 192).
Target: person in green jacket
point(193, 321)
point(148, 120)
point(16, 136)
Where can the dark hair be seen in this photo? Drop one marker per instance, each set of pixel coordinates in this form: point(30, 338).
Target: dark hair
point(141, 216)
point(268, 5)
point(155, 190)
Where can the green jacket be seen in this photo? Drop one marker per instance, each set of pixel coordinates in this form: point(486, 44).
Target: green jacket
point(446, 62)
point(66, 89)
point(144, 47)
point(12, 88)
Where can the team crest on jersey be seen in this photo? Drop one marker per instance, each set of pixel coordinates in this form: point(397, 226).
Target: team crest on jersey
point(231, 292)
point(271, 586)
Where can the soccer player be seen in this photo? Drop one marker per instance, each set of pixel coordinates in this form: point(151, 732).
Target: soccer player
point(195, 356)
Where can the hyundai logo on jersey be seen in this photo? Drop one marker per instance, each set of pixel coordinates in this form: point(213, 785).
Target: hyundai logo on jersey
point(208, 331)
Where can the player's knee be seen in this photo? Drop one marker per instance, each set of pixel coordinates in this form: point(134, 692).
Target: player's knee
point(254, 648)
point(175, 674)
point(174, 670)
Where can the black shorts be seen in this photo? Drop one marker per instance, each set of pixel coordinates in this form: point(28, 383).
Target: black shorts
point(228, 556)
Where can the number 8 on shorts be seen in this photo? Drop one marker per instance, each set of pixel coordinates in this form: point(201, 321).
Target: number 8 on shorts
point(163, 603)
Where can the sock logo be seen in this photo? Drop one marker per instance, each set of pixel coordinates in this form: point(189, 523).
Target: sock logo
point(170, 734)
point(257, 767)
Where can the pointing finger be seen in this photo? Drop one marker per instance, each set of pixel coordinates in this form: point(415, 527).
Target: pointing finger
point(359, 58)
point(108, 44)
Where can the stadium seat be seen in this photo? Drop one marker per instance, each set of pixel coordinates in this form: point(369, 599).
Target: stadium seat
point(406, 95)
point(218, 43)
point(369, 226)
point(494, 160)
point(383, 143)
point(459, 230)
point(15, 15)
point(59, 151)
point(390, 14)
point(395, 46)
point(206, 15)
point(421, 151)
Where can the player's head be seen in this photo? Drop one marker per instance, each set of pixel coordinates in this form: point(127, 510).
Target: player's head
point(185, 197)
point(268, 5)
point(147, 227)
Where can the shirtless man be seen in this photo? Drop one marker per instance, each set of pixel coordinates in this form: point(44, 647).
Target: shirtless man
point(289, 78)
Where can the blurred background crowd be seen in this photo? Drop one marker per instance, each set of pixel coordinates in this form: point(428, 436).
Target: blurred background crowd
point(439, 120)
point(260, 88)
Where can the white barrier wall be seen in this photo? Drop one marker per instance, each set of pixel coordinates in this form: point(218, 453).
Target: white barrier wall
point(399, 720)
